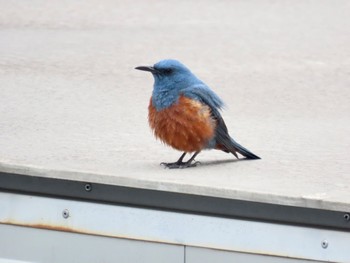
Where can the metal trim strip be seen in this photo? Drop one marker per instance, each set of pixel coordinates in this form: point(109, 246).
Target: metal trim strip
point(171, 201)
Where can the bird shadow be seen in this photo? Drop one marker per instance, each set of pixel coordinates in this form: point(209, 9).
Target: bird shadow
point(220, 162)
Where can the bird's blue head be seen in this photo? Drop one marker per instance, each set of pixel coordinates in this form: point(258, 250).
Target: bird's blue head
point(170, 78)
point(168, 73)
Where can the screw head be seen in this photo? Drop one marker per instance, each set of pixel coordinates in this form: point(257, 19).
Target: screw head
point(347, 217)
point(88, 187)
point(65, 213)
point(324, 244)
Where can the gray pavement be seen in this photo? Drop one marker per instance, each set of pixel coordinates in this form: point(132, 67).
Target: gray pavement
point(72, 106)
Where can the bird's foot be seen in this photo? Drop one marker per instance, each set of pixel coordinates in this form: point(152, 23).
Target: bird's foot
point(180, 165)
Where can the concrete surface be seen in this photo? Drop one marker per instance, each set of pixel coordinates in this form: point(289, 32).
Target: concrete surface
point(72, 106)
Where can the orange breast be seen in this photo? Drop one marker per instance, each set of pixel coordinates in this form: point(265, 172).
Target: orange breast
point(186, 125)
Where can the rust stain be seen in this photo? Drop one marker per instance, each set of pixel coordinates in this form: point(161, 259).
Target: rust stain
point(153, 240)
point(88, 232)
point(56, 228)
point(44, 226)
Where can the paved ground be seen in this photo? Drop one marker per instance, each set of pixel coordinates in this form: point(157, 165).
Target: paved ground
point(72, 106)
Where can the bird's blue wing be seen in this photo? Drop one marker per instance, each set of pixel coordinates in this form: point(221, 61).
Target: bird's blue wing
point(222, 140)
point(206, 96)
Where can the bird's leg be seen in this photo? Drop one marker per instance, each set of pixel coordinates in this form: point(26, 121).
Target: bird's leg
point(180, 164)
point(192, 159)
point(181, 157)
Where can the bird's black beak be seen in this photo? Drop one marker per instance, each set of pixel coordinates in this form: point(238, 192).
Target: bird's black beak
point(147, 68)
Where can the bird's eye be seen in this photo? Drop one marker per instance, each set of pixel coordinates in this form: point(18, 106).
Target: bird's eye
point(168, 71)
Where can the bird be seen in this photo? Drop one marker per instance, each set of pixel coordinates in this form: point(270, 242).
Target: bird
point(184, 113)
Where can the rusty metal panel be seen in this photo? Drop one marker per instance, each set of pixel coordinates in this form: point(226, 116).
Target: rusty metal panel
point(174, 228)
point(26, 244)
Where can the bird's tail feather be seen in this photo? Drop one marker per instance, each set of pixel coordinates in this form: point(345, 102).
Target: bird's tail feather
point(239, 148)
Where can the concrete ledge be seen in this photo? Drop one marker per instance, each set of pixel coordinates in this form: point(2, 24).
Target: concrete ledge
point(73, 108)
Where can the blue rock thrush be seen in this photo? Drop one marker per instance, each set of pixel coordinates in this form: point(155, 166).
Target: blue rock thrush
point(185, 113)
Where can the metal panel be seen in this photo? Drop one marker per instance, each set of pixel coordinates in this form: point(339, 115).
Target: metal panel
point(39, 245)
point(201, 255)
point(175, 228)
